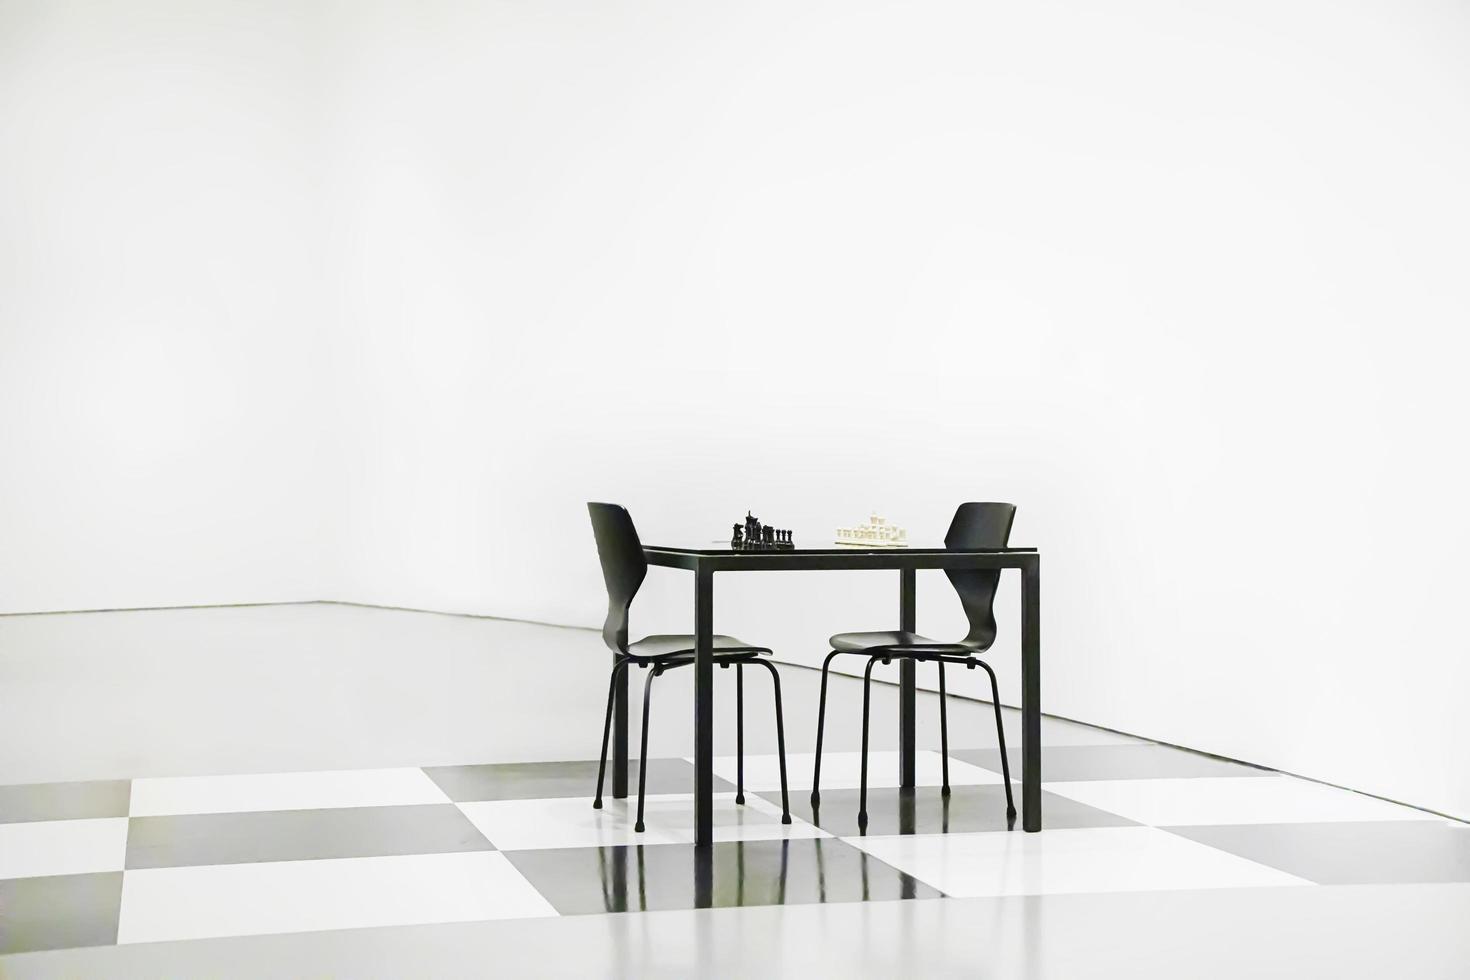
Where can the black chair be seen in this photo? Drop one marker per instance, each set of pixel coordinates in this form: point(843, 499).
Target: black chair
point(975, 526)
point(623, 569)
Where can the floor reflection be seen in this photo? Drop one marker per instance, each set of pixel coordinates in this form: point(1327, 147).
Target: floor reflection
point(645, 878)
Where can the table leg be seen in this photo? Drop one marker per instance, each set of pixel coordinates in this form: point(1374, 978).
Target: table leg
point(704, 707)
point(908, 622)
point(1031, 695)
point(620, 736)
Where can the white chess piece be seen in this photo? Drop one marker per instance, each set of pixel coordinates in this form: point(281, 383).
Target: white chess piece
point(876, 533)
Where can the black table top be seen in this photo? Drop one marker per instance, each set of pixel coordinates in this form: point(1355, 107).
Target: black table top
point(711, 556)
point(723, 548)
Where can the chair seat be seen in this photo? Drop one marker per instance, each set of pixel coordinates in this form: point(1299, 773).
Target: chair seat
point(900, 642)
point(680, 646)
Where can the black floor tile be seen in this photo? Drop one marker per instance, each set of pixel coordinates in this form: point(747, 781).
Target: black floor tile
point(64, 801)
point(59, 912)
point(581, 881)
point(300, 835)
point(1388, 852)
point(550, 780)
point(968, 809)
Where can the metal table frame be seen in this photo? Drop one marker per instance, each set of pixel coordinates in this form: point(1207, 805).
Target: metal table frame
point(705, 562)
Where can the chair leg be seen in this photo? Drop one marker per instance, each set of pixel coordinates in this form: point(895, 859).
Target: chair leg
point(780, 738)
point(643, 750)
point(740, 734)
point(821, 716)
point(943, 732)
point(1000, 734)
point(612, 688)
point(863, 781)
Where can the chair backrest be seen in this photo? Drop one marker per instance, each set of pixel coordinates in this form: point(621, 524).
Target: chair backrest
point(978, 526)
point(623, 568)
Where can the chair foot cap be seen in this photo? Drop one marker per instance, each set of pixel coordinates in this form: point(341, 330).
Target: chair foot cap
point(786, 818)
point(944, 791)
point(740, 799)
point(638, 827)
point(597, 804)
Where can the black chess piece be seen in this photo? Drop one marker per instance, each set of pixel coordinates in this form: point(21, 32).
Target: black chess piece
point(769, 536)
point(736, 536)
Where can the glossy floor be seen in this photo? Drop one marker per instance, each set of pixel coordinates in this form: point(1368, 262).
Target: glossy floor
point(1155, 862)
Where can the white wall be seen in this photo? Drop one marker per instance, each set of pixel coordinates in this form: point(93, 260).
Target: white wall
point(160, 313)
point(1185, 281)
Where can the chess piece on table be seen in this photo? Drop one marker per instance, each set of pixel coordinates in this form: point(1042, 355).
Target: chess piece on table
point(736, 536)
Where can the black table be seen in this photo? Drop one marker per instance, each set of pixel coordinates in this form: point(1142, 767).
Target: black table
point(704, 561)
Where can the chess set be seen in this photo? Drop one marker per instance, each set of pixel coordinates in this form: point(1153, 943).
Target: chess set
point(752, 535)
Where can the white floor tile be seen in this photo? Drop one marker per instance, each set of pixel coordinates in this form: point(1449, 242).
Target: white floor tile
point(756, 819)
point(524, 825)
point(62, 847)
point(283, 791)
point(307, 896)
point(843, 770)
point(566, 822)
point(1269, 799)
point(1104, 859)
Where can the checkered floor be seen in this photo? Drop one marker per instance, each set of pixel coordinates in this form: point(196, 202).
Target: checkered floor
point(147, 860)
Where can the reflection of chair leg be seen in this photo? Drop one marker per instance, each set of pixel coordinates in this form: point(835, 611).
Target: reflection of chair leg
point(740, 873)
point(612, 689)
point(643, 751)
point(943, 732)
point(602, 876)
point(739, 733)
point(821, 872)
point(863, 781)
point(780, 738)
point(821, 716)
point(1000, 734)
point(642, 881)
point(781, 882)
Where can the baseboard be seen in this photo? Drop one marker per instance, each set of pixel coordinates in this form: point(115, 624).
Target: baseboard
point(206, 605)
